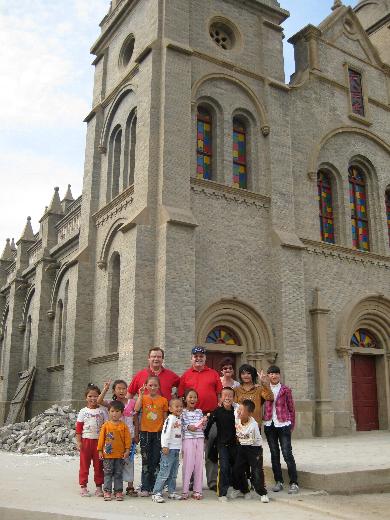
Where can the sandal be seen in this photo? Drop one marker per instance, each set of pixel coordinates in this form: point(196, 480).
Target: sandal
point(131, 492)
point(197, 496)
point(185, 496)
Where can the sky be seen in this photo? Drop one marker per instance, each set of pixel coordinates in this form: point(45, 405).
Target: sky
point(46, 88)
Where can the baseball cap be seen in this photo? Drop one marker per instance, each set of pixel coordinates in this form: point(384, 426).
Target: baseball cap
point(198, 350)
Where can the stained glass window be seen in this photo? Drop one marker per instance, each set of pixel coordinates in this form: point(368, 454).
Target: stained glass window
point(356, 91)
point(239, 155)
point(387, 199)
point(326, 207)
point(363, 339)
point(358, 204)
point(204, 144)
point(222, 336)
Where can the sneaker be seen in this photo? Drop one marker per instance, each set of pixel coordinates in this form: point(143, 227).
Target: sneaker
point(293, 489)
point(278, 487)
point(236, 493)
point(158, 498)
point(143, 493)
point(248, 496)
point(222, 499)
point(84, 492)
point(119, 496)
point(107, 496)
point(98, 492)
point(264, 499)
point(174, 496)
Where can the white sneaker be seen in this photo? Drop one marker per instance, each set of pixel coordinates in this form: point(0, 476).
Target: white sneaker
point(264, 499)
point(174, 496)
point(248, 496)
point(222, 499)
point(158, 498)
point(277, 487)
point(293, 489)
point(236, 493)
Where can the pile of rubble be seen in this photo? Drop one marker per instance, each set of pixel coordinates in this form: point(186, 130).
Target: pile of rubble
point(52, 431)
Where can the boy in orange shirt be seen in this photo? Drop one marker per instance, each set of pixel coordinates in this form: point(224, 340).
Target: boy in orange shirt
point(113, 447)
point(154, 412)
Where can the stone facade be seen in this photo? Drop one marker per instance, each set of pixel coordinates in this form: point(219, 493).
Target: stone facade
point(154, 254)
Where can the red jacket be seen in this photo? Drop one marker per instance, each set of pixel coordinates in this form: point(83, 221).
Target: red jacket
point(284, 404)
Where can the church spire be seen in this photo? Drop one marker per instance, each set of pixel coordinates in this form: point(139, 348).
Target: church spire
point(7, 253)
point(55, 204)
point(13, 246)
point(28, 233)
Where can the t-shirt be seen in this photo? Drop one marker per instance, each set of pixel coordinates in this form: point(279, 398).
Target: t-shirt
point(171, 434)
point(207, 383)
point(256, 394)
point(152, 417)
point(167, 378)
point(248, 434)
point(128, 414)
point(193, 417)
point(114, 440)
point(90, 420)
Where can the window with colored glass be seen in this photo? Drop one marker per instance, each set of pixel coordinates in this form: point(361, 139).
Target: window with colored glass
point(325, 201)
point(358, 205)
point(356, 92)
point(222, 336)
point(239, 154)
point(204, 144)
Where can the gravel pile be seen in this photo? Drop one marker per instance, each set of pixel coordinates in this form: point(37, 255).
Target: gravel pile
point(52, 431)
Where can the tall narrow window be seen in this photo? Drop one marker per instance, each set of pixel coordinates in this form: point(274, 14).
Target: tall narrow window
point(204, 144)
point(116, 164)
point(114, 287)
point(58, 332)
point(133, 141)
point(3, 342)
point(387, 199)
point(325, 202)
point(27, 344)
point(358, 204)
point(239, 155)
point(129, 150)
point(356, 92)
point(64, 322)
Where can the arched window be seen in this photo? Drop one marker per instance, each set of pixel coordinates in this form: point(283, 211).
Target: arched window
point(325, 202)
point(358, 204)
point(114, 282)
point(3, 341)
point(115, 161)
point(27, 344)
point(387, 201)
point(222, 336)
point(58, 332)
point(239, 154)
point(64, 323)
point(204, 144)
point(364, 339)
point(129, 150)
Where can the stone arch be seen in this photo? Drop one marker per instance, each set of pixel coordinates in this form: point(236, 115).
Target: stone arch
point(26, 306)
point(247, 324)
point(125, 91)
point(260, 109)
point(105, 250)
point(56, 286)
point(315, 152)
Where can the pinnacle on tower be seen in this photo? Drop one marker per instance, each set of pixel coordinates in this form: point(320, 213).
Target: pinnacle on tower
point(68, 194)
point(337, 4)
point(7, 253)
point(13, 246)
point(55, 204)
point(28, 233)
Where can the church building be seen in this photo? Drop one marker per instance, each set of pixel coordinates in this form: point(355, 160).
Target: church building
point(221, 206)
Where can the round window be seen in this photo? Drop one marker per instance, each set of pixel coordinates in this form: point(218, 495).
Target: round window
point(222, 35)
point(127, 51)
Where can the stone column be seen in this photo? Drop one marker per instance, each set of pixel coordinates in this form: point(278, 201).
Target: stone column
point(324, 415)
point(346, 353)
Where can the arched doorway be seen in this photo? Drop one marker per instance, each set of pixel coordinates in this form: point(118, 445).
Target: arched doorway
point(364, 381)
point(224, 338)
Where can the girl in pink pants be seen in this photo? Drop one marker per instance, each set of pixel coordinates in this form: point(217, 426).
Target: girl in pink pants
point(193, 424)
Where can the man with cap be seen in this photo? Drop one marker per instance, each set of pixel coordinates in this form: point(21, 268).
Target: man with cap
point(207, 383)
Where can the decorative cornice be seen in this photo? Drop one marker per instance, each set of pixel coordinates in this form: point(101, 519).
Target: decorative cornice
point(237, 195)
point(113, 208)
point(103, 359)
point(345, 253)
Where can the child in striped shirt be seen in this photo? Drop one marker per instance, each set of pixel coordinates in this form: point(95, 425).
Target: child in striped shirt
point(193, 423)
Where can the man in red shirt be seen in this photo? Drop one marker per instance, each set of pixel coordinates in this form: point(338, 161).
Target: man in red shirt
point(167, 378)
point(207, 383)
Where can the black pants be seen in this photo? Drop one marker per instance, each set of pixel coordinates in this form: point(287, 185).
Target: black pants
point(252, 457)
point(226, 461)
point(281, 436)
point(150, 443)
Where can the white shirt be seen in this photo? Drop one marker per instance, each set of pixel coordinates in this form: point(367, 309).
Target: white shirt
point(248, 434)
point(92, 419)
point(171, 433)
point(275, 390)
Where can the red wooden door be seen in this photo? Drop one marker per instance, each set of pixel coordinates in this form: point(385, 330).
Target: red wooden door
point(364, 393)
point(214, 360)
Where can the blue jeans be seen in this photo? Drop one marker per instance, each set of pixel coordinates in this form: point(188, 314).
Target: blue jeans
point(113, 470)
point(169, 465)
point(282, 436)
point(150, 443)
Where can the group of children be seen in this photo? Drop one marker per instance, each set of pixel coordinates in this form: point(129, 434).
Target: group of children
point(108, 431)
